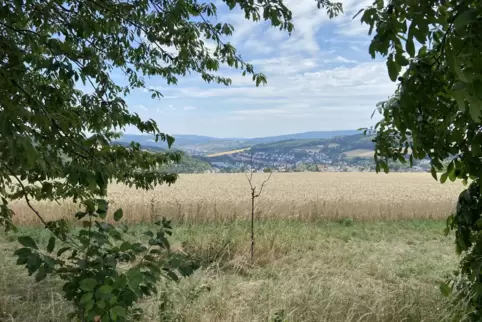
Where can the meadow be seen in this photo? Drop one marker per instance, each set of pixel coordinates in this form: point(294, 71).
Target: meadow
point(311, 264)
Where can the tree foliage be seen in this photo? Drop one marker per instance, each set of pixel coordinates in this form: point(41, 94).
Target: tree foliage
point(433, 49)
point(61, 108)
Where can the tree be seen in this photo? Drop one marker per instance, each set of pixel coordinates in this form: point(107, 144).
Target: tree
point(436, 109)
point(60, 110)
point(255, 193)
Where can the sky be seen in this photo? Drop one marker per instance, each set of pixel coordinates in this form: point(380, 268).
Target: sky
point(321, 78)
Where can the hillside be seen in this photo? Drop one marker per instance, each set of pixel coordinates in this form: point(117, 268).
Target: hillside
point(300, 155)
point(338, 144)
point(338, 153)
point(188, 164)
point(302, 136)
point(203, 145)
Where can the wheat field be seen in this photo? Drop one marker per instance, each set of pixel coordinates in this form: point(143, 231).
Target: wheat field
point(198, 198)
point(307, 267)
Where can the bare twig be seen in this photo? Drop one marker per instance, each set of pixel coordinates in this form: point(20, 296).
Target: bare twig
point(255, 193)
point(262, 184)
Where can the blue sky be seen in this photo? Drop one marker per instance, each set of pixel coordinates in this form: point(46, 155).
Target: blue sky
point(319, 78)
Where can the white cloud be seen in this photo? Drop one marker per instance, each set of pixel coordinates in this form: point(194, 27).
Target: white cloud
point(363, 79)
point(355, 48)
point(285, 64)
point(267, 111)
point(349, 26)
point(340, 59)
point(319, 78)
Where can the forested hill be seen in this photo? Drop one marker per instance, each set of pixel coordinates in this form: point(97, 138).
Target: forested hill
point(188, 164)
point(203, 145)
point(283, 153)
point(341, 143)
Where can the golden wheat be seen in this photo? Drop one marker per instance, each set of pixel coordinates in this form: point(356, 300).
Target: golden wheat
point(302, 196)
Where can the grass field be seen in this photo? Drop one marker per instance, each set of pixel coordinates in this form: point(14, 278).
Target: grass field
point(362, 153)
point(218, 154)
point(383, 265)
point(201, 198)
point(369, 271)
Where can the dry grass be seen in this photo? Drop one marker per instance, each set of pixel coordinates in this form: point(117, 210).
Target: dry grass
point(362, 153)
point(369, 271)
point(218, 154)
point(200, 198)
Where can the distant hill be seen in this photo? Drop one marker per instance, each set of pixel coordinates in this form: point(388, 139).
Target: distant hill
point(181, 140)
point(303, 136)
point(207, 144)
point(338, 143)
point(292, 152)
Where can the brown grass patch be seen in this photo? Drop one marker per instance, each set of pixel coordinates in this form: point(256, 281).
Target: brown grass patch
point(218, 154)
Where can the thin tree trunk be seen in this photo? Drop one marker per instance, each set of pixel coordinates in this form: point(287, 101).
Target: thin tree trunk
point(252, 228)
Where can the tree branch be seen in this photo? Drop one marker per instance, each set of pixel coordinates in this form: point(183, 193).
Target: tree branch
point(35, 211)
point(54, 122)
point(262, 185)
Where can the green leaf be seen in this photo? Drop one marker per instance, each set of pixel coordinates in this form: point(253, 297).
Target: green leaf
point(134, 277)
point(51, 244)
point(30, 152)
point(101, 206)
point(445, 289)
point(62, 250)
point(88, 284)
point(410, 47)
point(41, 274)
point(118, 214)
point(392, 69)
point(460, 99)
point(359, 11)
point(452, 175)
point(89, 305)
point(80, 215)
point(434, 172)
point(101, 304)
point(474, 110)
point(27, 242)
point(478, 223)
point(172, 276)
point(105, 289)
point(463, 19)
point(86, 297)
point(384, 166)
point(113, 300)
point(458, 71)
point(22, 260)
point(443, 177)
point(125, 246)
point(117, 311)
point(446, 231)
point(23, 251)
